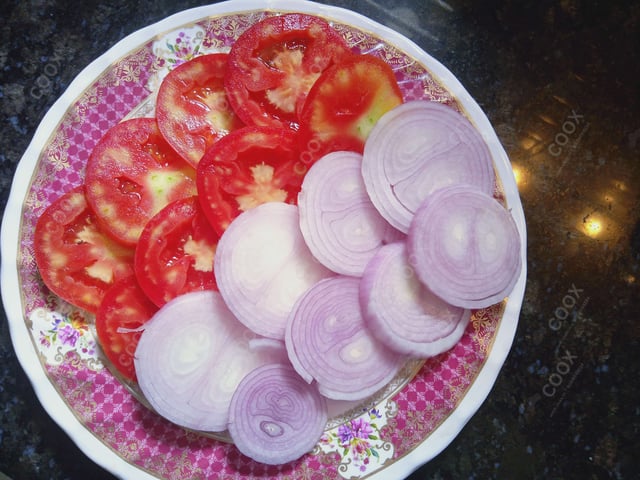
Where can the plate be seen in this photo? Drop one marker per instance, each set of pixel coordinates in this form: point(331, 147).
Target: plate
point(389, 438)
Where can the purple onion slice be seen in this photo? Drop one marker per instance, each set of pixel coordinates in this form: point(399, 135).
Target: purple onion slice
point(404, 314)
point(417, 148)
point(341, 226)
point(328, 341)
point(275, 416)
point(465, 247)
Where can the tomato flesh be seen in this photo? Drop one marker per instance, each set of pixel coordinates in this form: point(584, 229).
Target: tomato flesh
point(175, 252)
point(192, 108)
point(246, 168)
point(273, 65)
point(76, 259)
point(345, 103)
point(131, 174)
point(124, 309)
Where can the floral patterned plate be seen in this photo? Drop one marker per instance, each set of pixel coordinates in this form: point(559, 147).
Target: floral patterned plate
point(388, 437)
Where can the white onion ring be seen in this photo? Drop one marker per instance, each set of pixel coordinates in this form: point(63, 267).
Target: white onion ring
point(401, 312)
point(262, 265)
point(190, 358)
point(416, 148)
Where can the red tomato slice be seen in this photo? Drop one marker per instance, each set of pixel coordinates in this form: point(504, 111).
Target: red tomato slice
point(175, 252)
point(76, 259)
point(274, 63)
point(344, 104)
point(131, 175)
point(124, 309)
point(248, 167)
point(192, 108)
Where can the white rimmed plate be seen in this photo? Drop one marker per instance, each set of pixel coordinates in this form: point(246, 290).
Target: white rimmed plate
point(58, 352)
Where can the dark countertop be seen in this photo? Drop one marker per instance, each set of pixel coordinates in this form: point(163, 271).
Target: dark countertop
point(559, 80)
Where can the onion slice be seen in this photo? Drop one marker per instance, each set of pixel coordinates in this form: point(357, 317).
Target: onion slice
point(262, 265)
point(341, 226)
point(275, 416)
point(327, 341)
point(465, 247)
point(416, 148)
point(190, 358)
point(404, 314)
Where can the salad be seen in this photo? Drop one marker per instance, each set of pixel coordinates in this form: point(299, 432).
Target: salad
point(237, 247)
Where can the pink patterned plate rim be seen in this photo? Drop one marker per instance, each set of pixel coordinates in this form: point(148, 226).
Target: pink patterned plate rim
point(389, 437)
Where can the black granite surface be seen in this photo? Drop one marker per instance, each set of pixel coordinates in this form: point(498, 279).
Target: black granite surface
point(559, 80)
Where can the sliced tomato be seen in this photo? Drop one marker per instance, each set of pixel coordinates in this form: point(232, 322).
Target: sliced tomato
point(274, 63)
point(76, 259)
point(131, 174)
point(345, 103)
point(124, 309)
point(175, 252)
point(192, 108)
point(246, 168)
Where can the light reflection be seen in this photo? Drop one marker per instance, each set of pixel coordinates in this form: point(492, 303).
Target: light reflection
point(518, 174)
point(621, 186)
point(593, 227)
point(532, 142)
point(548, 120)
point(562, 100)
point(527, 143)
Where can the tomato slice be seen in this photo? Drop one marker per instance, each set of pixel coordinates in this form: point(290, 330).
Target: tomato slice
point(175, 252)
point(248, 167)
point(124, 309)
point(274, 63)
point(192, 108)
point(76, 259)
point(131, 174)
point(345, 103)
